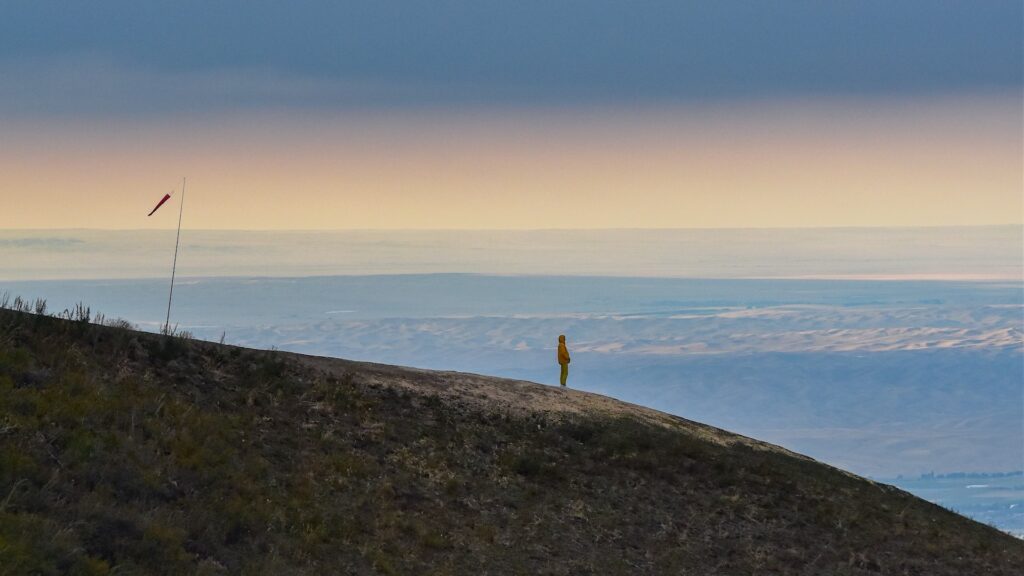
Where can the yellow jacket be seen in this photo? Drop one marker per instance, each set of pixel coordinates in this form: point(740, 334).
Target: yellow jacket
point(563, 352)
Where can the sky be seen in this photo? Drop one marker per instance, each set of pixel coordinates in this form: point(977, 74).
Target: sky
point(499, 115)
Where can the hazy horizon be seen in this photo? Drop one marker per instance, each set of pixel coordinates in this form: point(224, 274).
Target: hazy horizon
point(957, 253)
point(555, 229)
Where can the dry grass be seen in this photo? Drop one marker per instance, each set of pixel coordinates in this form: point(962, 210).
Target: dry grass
point(131, 453)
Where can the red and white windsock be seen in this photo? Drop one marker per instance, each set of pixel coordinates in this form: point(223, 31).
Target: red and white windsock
point(160, 203)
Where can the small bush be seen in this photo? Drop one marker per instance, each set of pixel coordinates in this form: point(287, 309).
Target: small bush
point(121, 324)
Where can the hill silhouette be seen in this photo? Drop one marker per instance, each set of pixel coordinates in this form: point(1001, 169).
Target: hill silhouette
point(133, 453)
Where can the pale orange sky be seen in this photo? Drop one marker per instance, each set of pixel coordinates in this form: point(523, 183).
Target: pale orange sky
point(940, 161)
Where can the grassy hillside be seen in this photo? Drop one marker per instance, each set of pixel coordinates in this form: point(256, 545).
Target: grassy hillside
point(131, 453)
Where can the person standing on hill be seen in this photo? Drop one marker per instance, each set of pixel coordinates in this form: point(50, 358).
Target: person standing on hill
point(563, 358)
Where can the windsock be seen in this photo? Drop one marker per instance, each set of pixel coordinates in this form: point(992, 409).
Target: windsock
point(160, 203)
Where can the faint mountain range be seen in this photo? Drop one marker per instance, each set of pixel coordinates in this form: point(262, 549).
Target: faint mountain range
point(941, 253)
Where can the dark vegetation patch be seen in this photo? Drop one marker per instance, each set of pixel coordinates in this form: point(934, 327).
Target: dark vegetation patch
point(130, 453)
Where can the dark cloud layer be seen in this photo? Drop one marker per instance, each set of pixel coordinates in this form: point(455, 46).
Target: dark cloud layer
point(152, 56)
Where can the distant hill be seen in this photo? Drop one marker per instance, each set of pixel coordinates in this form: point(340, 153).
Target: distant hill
point(124, 452)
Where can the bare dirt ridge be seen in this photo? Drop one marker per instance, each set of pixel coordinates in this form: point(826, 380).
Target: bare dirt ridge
point(522, 397)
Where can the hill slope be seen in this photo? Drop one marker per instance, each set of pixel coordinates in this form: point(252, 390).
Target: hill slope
point(138, 454)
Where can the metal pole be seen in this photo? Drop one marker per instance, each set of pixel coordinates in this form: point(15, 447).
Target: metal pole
point(174, 268)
